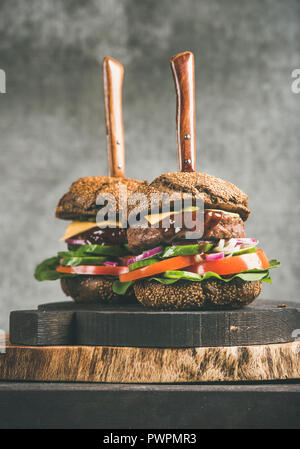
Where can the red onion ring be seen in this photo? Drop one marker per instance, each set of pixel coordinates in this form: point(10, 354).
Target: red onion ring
point(145, 255)
point(111, 264)
point(213, 256)
point(75, 242)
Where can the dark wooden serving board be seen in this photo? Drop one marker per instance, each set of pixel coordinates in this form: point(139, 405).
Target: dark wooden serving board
point(67, 323)
point(43, 405)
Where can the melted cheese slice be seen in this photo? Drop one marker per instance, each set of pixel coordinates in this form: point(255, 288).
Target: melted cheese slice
point(78, 227)
point(155, 218)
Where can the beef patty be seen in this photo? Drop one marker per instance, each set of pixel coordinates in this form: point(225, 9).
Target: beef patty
point(218, 226)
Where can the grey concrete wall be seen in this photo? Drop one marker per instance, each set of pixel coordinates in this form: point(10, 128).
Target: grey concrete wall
point(52, 121)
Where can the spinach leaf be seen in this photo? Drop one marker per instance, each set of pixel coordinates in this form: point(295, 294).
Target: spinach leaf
point(101, 250)
point(121, 288)
point(46, 270)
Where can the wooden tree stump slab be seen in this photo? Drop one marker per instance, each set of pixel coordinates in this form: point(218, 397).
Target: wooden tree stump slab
point(150, 365)
point(264, 322)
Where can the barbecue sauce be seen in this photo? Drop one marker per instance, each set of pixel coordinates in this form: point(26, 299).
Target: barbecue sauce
point(211, 219)
point(101, 236)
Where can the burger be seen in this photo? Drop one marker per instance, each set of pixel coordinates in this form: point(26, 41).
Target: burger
point(195, 255)
point(97, 250)
point(218, 267)
point(96, 253)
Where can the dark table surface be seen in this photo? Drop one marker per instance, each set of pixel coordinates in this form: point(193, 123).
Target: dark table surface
point(164, 406)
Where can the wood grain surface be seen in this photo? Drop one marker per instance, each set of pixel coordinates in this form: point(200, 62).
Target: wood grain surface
point(182, 66)
point(113, 73)
point(150, 365)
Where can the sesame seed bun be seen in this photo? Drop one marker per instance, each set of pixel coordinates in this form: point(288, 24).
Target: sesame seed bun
point(184, 295)
point(92, 289)
point(215, 192)
point(80, 201)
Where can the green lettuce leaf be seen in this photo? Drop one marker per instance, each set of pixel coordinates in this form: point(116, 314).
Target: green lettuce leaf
point(46, 270)
point(100, 250)
point(255, 274)
point(188, 276)
point(91, 255)
point(170, 277)
point(121, 288)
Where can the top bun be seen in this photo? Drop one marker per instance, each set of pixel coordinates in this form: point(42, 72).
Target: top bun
point(80, 201)
point(215, 192)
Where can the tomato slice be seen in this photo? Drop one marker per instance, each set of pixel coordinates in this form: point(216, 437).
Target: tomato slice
point(93, 270)
point(226, 266)
point(174, 263)
point(232, 265)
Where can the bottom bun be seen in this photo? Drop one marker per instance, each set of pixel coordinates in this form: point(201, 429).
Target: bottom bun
point(93, 289)
point(208, 294)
